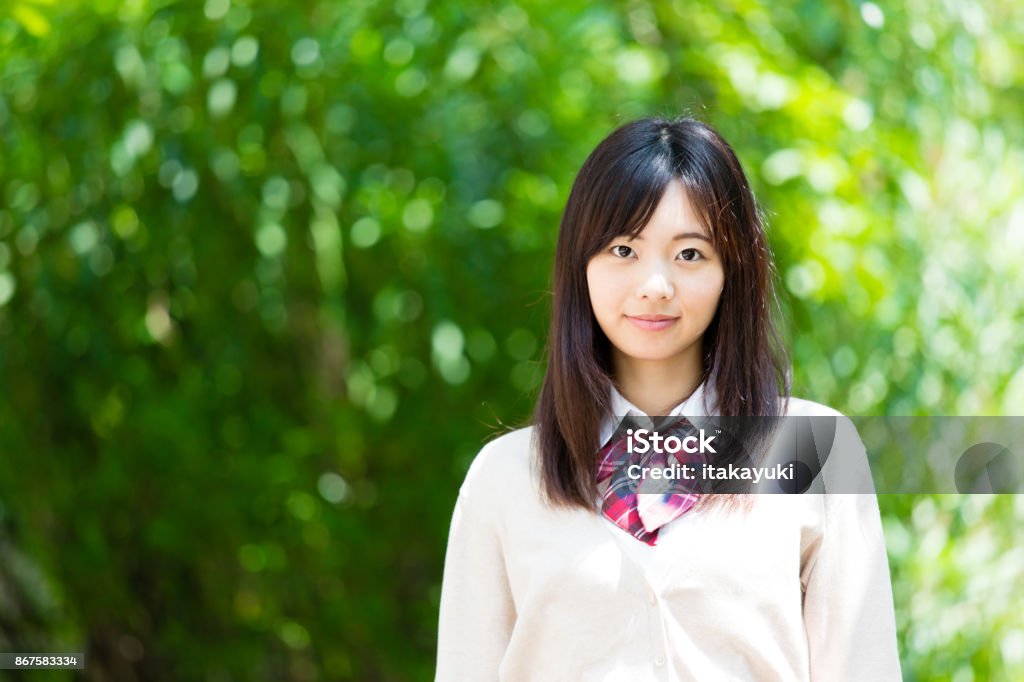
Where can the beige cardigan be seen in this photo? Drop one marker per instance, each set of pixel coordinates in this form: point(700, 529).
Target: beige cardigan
point(796, 589)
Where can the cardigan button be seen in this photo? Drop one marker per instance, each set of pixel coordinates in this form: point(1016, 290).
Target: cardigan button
point(659, 661)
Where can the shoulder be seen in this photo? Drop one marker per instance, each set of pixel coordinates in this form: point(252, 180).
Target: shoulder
point(843, 427)
point(502, 465)
point(798, 407)
point(844, 462)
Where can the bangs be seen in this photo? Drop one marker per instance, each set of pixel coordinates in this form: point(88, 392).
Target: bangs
point(623, 180)
point(627, 196)
point(632, 193)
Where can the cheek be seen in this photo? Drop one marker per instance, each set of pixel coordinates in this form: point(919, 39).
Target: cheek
point(704, 292)
point(602, 293)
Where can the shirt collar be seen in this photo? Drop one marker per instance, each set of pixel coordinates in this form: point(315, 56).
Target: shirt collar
point(694, 406)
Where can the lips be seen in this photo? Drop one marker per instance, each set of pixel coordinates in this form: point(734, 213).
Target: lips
point(652, 323)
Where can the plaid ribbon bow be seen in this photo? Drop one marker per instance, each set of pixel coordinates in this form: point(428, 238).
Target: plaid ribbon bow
point(641, 514)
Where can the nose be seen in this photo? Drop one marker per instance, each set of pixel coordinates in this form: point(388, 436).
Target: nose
point(655, 285)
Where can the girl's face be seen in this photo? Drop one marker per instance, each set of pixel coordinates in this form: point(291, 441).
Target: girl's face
point(655, 295)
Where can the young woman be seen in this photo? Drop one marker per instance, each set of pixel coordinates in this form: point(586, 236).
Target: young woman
point(662, 306)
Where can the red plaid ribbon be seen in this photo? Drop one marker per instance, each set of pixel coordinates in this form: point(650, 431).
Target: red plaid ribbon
point(642, 514)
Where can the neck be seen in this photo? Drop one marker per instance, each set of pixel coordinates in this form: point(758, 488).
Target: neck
point(657, 386)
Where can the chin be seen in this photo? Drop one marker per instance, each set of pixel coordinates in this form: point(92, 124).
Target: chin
point(653, 352)
point(653, 358)
point(649, 355)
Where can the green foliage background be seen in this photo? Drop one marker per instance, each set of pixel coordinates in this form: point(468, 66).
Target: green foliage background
point(271, 273)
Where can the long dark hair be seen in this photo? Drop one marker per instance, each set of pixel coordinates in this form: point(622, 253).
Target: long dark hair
point(615, 194)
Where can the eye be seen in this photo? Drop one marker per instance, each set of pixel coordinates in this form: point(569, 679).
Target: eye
point(691, 255)
point(622, 251)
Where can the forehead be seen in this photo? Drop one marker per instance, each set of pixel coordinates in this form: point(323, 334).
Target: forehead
point(674, 214)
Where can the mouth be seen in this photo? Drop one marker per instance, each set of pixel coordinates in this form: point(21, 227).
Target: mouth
point(652, 323)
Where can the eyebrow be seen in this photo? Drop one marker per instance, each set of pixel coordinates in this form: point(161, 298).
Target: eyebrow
point(682, 235)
